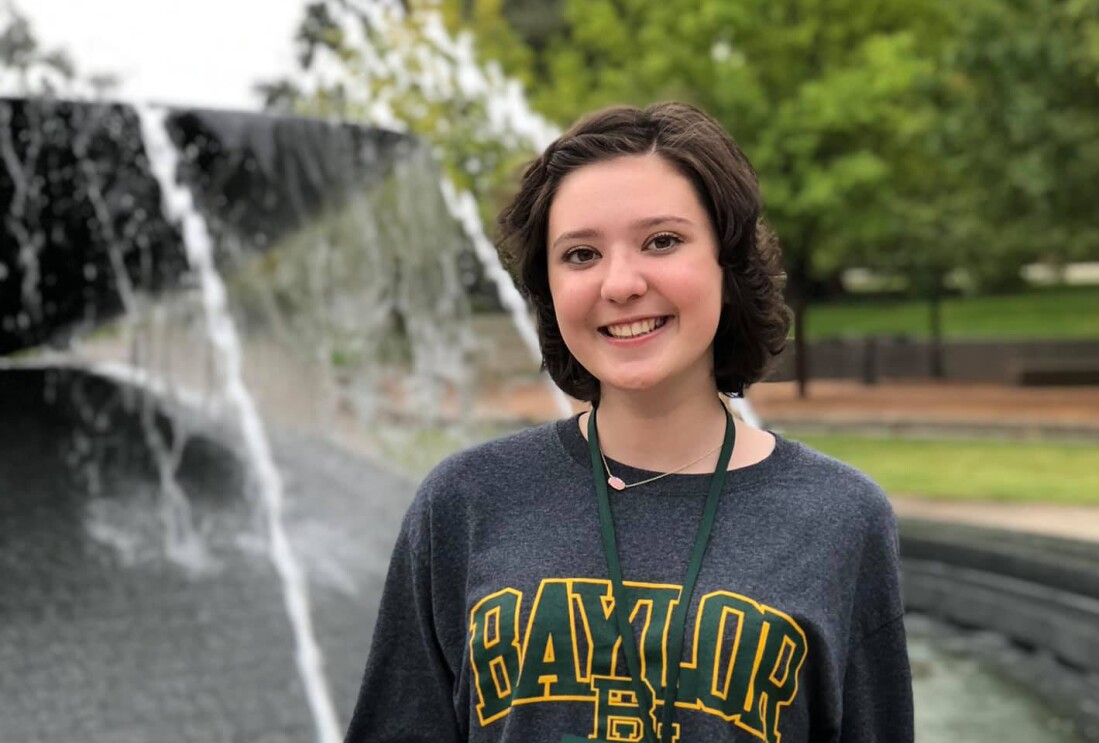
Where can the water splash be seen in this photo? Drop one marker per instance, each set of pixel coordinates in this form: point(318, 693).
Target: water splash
point(464, 207)
point(438, 66)
point(182, 542)
point(20, 219)
point(179, 207)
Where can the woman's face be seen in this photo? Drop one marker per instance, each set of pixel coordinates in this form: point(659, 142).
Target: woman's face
point(633, 273)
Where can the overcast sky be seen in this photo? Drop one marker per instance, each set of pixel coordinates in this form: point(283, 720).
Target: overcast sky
point(195, 52)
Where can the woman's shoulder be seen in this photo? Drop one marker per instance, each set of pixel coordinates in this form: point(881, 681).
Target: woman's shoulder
point(822, 481)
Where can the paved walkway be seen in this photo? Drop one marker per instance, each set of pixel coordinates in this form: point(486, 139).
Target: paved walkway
point(1069, 522)
point(974, 409)
point(991, 409)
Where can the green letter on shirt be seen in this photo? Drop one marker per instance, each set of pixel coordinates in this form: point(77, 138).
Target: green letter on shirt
point(494, 652)
point(746, 662)
point(549, 649)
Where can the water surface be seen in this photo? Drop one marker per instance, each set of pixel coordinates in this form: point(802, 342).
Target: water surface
point(958, 698)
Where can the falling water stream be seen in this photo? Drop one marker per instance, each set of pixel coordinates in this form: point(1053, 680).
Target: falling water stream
point(179, 206)
point(181, 541)
point(464, 208)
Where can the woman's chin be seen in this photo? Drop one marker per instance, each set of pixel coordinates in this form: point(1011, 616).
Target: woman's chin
point(655, 378)
point(632, 383)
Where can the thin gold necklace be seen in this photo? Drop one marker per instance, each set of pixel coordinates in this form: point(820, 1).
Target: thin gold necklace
point(619, 484)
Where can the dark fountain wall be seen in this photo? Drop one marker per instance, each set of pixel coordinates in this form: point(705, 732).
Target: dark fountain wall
point(66, 166)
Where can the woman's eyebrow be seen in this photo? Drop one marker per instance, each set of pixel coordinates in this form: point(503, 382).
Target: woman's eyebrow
point(648, 222)
point(662, 219)
point(584, 234)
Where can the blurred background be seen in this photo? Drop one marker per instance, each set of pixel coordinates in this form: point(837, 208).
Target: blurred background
point(248, 297)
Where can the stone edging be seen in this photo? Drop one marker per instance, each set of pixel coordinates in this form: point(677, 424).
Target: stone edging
point(1041, 593)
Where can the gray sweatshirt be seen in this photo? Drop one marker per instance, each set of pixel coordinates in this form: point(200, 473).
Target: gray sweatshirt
point(497, 623)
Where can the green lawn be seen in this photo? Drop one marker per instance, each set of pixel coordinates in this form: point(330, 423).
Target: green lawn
point(1060, 312)
point(950, 469)
point(973, 470)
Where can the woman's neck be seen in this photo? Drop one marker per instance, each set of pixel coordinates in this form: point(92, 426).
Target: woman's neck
point(661, 433)
point(663, 430)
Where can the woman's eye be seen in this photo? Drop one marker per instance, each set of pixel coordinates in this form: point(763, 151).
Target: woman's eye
point(580, 255)
point(664, 242)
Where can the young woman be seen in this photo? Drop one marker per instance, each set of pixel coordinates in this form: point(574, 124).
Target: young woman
point(652, 570)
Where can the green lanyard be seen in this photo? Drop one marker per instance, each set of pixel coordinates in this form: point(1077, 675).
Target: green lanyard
point(679, 614)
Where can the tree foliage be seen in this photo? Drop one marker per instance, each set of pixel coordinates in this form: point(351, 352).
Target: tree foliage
point(824, 96)
point(415, 67)
point(914, 135)
point(26, 68)
point(1020, 124)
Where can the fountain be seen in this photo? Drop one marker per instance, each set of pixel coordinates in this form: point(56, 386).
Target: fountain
point(150, 252)
point(161, 547)
point(221, 329)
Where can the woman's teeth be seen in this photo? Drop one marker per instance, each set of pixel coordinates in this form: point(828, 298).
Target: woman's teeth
point(634, 329)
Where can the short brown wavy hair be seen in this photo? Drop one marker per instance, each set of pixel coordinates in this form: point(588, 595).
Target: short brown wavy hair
point(754, 319)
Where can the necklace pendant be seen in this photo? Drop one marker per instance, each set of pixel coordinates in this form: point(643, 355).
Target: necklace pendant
point(616, 482)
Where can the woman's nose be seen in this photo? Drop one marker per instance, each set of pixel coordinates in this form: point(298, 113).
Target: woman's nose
point(623, 280)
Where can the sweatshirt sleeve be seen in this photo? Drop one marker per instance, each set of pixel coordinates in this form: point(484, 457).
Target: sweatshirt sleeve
point(407, 692)
point(877, 683)
point(877, 689)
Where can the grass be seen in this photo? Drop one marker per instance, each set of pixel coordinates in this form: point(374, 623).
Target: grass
point(1045, 313)
point(1014, 471)
point(947, 469)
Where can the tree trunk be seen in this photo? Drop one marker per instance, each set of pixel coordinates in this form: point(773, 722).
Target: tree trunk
point(936, 346)
point(801, 345)
point(797, 293)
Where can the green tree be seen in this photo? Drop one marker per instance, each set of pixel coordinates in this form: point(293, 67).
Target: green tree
point(1021, 120)
point(415, 68)
point(1006, 173)
point(26, 68)
point(34, 69)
